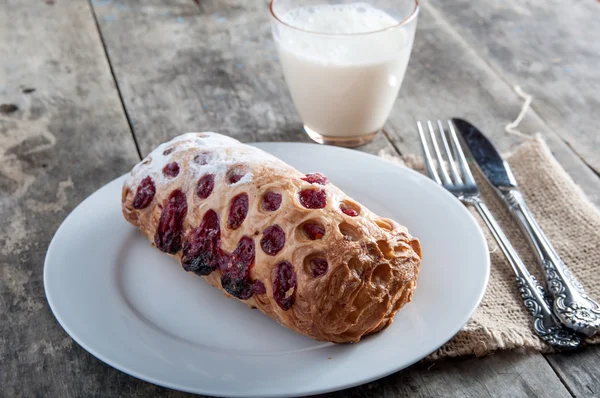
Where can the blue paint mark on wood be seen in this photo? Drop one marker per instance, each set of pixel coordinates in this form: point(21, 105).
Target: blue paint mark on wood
point(218, 17)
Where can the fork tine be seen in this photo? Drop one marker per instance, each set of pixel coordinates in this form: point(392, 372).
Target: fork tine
point(429, 165)
point(438, 155)
point(460, 156)
point(451, 162)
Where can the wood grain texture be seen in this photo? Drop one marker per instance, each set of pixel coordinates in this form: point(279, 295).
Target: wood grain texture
point(551, 49)
point(505, 374)
point(62, 136)
point(184, 68)
point(579, 371)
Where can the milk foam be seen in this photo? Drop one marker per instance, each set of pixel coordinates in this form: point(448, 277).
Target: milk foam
point(339, 18)
point(364, 39)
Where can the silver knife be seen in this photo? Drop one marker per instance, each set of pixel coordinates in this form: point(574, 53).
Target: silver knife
point(571, 304)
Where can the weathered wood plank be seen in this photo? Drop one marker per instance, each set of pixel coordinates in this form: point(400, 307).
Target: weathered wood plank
point(180, 69)
point(551, 49)
point(507, 374)
point(579, 371)
point(62, 136)
point(215, 67)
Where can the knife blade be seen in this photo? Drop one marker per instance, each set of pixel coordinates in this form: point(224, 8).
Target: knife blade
point(572, 305)
point(494, 167)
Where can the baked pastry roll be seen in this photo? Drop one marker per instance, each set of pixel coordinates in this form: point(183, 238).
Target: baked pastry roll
point(292, 245)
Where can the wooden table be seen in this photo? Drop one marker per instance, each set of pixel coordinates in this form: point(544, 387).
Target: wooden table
point(89, 87)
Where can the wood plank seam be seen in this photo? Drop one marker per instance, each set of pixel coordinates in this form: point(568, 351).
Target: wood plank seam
point(438, 16)
point(389, 139)
point(560, 377)
point(114, 78)
point(573, 150)
point(65, 137)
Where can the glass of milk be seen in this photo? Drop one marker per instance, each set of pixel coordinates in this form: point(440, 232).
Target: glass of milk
point(344, 62)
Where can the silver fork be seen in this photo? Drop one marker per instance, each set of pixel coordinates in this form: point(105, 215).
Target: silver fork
point(460, 182)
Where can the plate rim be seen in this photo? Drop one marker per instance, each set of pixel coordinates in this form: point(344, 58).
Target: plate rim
point(307, 391)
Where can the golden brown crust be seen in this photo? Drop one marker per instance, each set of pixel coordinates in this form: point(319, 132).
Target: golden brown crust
point(373, 263)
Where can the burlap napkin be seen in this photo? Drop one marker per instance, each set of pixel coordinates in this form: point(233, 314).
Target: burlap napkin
point(571, 222)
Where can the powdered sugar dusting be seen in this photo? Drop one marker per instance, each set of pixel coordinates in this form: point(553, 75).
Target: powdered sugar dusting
point(245, 179)
point(224, 153)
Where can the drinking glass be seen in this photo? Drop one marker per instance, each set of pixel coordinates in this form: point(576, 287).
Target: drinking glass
point(344, 62)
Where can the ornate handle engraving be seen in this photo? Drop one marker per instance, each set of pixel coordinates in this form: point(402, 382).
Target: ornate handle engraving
point(573, 307)
point(571, 304)
point(545, 324)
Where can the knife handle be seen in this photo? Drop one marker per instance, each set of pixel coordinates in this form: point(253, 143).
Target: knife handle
point(545, 324)
point(572, 305)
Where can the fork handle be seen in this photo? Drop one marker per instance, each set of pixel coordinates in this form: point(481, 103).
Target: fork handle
point(545, 324)
point(572, 305)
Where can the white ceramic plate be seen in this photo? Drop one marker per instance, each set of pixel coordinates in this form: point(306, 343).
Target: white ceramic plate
point(137, 309)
